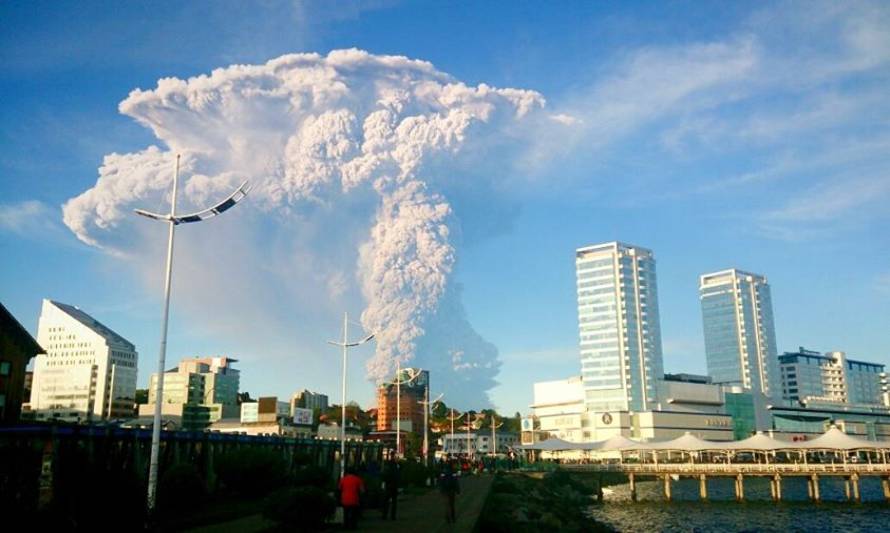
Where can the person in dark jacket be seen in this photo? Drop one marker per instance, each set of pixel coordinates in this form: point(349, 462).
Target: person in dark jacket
point(450, 488)
point(391, 478)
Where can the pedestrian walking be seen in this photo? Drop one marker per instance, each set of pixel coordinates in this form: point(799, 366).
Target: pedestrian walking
point(351, 488)
point(450, 488)
point(391, 478)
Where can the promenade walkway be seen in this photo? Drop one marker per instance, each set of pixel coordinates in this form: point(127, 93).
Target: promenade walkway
point(424, 511)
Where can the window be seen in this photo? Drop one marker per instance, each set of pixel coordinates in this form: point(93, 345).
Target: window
point(5, 368)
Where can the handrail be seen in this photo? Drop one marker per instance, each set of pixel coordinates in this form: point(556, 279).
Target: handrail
point(734, 468)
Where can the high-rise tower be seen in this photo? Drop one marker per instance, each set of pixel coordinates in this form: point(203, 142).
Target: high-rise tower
point(740, 338)
point(619, 327)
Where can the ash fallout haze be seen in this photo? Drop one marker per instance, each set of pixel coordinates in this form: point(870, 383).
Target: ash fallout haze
point(431, 168)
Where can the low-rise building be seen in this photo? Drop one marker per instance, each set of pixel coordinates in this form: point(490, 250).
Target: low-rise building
point(17, 347)
point(479, 442)
point(332, 431)
point(686, 403)
point(811, 377)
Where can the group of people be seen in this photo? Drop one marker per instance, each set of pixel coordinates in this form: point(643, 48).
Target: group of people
point(352, 489)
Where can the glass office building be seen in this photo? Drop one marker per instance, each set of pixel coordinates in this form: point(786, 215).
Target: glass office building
point(740, 338)
point(618, 320)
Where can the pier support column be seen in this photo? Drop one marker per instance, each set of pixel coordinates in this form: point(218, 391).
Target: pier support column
point(847, 488)
point(667, 487)
point(740, 487)
point(854, 480)
point(633, 486)
point(814, 483)
point(703, 487)
point(777, 480)
point(772, 488)
point(885, 484)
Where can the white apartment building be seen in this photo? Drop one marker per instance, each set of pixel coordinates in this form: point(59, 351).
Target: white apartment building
point(809, 377)
point(88, 371)
point(480, 442)
point(740, 337)
point(620, 334)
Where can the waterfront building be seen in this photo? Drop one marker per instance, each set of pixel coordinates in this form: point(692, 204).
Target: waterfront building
point(620, 335)
point(478, 442)
point(88, 371)
point(199, 391)
point(413, 391)
point(686, 405)
point(798, 423)
point(810, 378)
point(17, 347)
point(740, 337)
point(308, 400)
point(559, 409)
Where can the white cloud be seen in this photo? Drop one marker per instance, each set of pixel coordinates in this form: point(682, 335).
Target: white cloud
point(30, 219)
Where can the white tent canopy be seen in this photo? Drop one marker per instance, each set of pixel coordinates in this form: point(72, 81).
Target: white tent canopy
point(619, 442)
point(758, 442)
point(687, 443)
point(835, 439)
point(552, 445)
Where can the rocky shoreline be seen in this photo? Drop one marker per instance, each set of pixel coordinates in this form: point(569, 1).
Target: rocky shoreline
point(526, 502)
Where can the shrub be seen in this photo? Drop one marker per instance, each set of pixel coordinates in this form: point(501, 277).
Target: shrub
point(251, 470)
point(181, 487)
point(414, 473)
point(300, 509)
point(313, 476)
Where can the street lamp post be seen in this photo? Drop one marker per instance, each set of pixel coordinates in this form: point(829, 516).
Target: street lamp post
point(494, 436)
point(452, 418)
point(173, 220)
point(345, 344)
point(426, 422)
point(398, 383)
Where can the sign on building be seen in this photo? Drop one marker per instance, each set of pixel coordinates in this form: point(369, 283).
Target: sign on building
point(302, 417)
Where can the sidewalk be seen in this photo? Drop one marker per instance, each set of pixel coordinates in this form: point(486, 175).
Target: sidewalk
point(426, 512)
point(416, 512)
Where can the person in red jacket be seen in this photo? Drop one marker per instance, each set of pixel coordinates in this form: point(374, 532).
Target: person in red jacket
point(351, 487)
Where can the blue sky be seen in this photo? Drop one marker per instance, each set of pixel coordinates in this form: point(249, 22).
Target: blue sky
point(752, 135)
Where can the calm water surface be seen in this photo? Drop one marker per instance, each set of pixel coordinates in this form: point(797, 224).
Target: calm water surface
point(758, 513)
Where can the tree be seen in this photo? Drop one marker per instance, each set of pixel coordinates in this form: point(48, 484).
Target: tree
point(141, 396)
point(244, 397)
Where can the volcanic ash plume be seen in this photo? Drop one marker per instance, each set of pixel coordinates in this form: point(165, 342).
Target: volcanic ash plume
point(307, 130)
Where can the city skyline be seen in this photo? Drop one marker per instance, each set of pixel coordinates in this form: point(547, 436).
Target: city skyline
point(755, 140)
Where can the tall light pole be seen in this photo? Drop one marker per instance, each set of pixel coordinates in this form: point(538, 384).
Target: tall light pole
point(345, 344)
point(398, 383)
point(452, 418)
point(494, 436)
point(174, 221)
point(426, 421)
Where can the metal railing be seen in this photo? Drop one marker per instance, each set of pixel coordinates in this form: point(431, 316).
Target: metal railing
point(735, 468)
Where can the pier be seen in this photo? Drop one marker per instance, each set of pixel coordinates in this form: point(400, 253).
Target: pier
point(666, 473)
point(833, 454)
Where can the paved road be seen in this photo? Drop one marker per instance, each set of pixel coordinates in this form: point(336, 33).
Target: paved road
point(426, 512)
